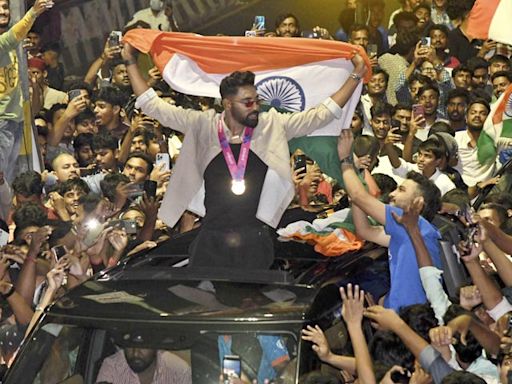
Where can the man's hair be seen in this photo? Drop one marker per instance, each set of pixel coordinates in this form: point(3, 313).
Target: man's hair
point(402, 106)
point(230, 84)
point(456, 9)
point(82, 140)
point(71, 184)
point(507, 74)
point(502, 198)
point(386, 348)
point(404, 16)
point(147, 134)
point(28, 184)
point(111, 95)
point(114, 63)
point(472, 350)
point(499, 59)
point(51, 46)
point(104, 140)
point(80, 84)
point(423, 6)
point(318, 377)
point(429, 87)
point(366, 145)
point(386, 185)
point(143, 156)
point(282, 17)
point(60, 229)
point(438, 27)
point(109, 184)
point(420, 317)
point(86, 114)
point(441, 127)
point(416, 76)
point(28, 215)
point(457, 377)
point(378, 70)
point(358, 27)
point(381, 108)
point(460, 68)
point(405, 42)
point(89, 202)
point(479, 100)
point(500, 210)
point(434, 145)
point(456, 196)
point(51, 112)
point(55, 155)
point(458, 92)
point(430, 193)
point(476, 62)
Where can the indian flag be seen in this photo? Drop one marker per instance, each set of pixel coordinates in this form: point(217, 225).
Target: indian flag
point(489, 19)
point(497, 132)
point(292, 74)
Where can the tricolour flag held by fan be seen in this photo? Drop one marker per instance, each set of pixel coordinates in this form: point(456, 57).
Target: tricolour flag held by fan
point(489, 19)
point(497, 132)
point(293, 74)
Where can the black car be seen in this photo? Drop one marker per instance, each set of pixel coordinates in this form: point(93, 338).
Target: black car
point(205, 317)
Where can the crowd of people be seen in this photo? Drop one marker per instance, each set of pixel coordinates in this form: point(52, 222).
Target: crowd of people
point(116, 142)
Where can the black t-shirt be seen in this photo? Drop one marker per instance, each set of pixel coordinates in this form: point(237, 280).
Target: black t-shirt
point(224, 209)
point(461, 47)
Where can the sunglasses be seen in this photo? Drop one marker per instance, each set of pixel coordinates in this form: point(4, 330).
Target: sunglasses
point(249, 103)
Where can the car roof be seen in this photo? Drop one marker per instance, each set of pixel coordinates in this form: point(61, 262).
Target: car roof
point(151, 287)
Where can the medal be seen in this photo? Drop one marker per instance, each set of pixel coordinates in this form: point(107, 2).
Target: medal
point(238, 187)
point(236, 169)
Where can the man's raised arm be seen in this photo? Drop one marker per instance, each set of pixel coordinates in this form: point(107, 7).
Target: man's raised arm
point(129, 55)
point(343, 94)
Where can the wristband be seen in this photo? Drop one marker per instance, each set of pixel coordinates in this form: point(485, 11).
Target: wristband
point(130, 61)
point(9, 292)
point(348, 160)
point(355, 76)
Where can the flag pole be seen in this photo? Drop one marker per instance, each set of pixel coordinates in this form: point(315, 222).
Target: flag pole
point(30, 155)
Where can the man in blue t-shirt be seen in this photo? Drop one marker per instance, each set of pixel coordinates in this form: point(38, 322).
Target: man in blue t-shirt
point(406, 287)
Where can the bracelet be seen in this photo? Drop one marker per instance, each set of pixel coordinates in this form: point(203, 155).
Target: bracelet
point(130, 62)
point(9, 292)
point(348, 160)
point(355, 76)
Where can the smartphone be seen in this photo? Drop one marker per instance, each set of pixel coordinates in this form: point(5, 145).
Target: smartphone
point(395, 123)
point(231, 366)
point(59, 251)
point(136, 190)
point(426, 41)
point(94, 229)
point(310, 34)
point(397, 377)
point(130, 226)
point(418, 110)
point(74, 93)
point(165, 159)
point(114, 39)
point(150, 188)
point(259, 22)
point(250, 33)
point(371, 49)
point(300, 162)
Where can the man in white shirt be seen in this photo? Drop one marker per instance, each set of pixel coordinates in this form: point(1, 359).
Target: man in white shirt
point(157, 16)
point(470, 168)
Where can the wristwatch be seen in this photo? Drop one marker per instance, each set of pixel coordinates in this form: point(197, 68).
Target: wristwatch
point(355, 76)
point(348, 160)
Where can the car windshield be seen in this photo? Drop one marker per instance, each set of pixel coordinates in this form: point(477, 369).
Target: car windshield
point(162, 353)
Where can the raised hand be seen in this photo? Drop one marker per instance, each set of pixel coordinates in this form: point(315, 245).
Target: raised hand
point(56, 278)
point(345, 141)
point(411, 214)
point(470, 297)
point(320, 344)
point(353, 304)
point(386, 318)
point(41, 6)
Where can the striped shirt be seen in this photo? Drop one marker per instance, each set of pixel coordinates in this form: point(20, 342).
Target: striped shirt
point(170, 369)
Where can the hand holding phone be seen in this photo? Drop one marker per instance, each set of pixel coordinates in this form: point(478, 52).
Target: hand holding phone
point(300, 163)
point(114, 39)
point(163, 158)
point(231, 367)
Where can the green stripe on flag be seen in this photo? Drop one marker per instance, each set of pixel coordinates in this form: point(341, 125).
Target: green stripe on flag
point(323, 150)
point(486, 148)
point(507, 128)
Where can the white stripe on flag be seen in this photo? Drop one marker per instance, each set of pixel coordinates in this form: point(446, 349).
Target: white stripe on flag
point(499, 29)
point(296, 88)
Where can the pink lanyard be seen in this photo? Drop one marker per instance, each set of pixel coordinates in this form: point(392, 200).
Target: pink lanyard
point(237, 170)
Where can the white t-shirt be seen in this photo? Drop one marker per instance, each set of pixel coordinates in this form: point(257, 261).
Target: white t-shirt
point(159, 22)
point(469, 167)
point(441, 180)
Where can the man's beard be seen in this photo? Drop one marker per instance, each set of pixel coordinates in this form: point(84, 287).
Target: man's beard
point(139, 365)
point(251, 120)
point(475, 128)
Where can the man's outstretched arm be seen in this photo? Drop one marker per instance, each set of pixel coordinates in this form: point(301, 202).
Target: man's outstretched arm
point(129, 55)
point(357, 192)
point(342, 95)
